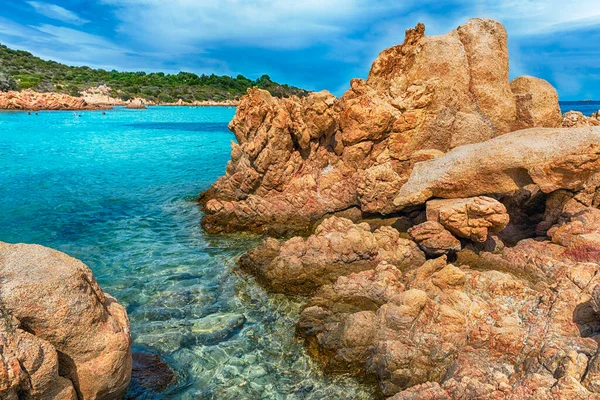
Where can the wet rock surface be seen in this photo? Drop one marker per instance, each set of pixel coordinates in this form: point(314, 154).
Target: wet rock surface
point(150, 374)
point(63, 337)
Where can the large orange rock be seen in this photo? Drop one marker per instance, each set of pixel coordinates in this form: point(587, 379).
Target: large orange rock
point(472, 218)
point(72, 339)
point(298, 160)
point(338, 247)
point(536, 102)
point(520, 324)
point(552, 159)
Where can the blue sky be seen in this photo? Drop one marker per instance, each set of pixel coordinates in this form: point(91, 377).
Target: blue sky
point(314, 44)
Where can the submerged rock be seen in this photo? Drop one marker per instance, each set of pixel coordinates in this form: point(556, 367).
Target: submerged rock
point(151, 373)
point(216, 328)
point(64, 337)
point(298, 160)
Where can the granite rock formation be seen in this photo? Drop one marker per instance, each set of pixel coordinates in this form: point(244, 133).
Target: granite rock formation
point(466, 266)
point(299, 160)
point(434, 239)
point(576, 119)
point(61, 336)
point(337, 248)
point(34, 101)
point(552, 159)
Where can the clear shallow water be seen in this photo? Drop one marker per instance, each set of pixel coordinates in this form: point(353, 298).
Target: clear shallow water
point(116, 191)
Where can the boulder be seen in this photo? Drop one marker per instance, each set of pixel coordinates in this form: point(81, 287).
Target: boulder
point(338, 247)
point(434, 239)
point(550, 158)
point(150, 374)
point(576, 119)
point(299, 160)
point(471, 218)
point(536, 102)
point(66, 325)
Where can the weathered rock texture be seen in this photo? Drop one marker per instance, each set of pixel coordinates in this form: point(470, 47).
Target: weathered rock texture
point(552, 159)
point(427, 140)
point(576, 119)
point(338, 247)
point(471, 218)
point(522, 323)
point(434, 239)
point(34, 101)
point(61, 336)
point(297, 160)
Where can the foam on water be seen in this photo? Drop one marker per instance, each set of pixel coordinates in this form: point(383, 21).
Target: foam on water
point(116, 191)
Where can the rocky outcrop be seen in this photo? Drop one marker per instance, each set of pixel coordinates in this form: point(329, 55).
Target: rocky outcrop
point(576, 119)
point(299, 160)
point(552, 159)
point(434, 239)
point(136, 104)
point(62, 336)
point(471, 218)
point(517, 324)
point(34, 101)
point(497, 295)
point(338, 247)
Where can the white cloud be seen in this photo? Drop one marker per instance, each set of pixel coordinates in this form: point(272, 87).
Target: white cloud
point(57, 12)
point(275, 24)
point(539, 16)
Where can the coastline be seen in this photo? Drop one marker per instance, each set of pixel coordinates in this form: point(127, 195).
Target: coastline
point(29, 100)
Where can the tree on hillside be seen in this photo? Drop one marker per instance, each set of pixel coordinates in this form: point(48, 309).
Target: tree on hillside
point(7, 83)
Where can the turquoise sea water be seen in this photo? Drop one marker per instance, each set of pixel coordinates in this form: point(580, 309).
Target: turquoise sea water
point(116, 191)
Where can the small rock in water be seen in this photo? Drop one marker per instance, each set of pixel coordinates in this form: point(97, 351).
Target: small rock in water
point(217, 328)
point(150, 373)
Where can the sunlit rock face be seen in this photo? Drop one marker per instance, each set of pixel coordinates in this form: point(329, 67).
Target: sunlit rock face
point(298, 160)
point(479, 280)
point(33, 101)
point(62, 337)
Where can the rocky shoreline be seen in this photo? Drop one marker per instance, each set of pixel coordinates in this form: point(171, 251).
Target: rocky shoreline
point(29, 100)
point(448, 248)
point(448, 222)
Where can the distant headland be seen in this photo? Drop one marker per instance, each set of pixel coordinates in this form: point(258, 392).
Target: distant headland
point(68, 87)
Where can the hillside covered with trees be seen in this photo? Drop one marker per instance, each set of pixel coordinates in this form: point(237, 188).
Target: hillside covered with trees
point(21, 70)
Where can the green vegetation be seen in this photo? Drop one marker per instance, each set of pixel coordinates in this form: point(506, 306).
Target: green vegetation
point(21, 70)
